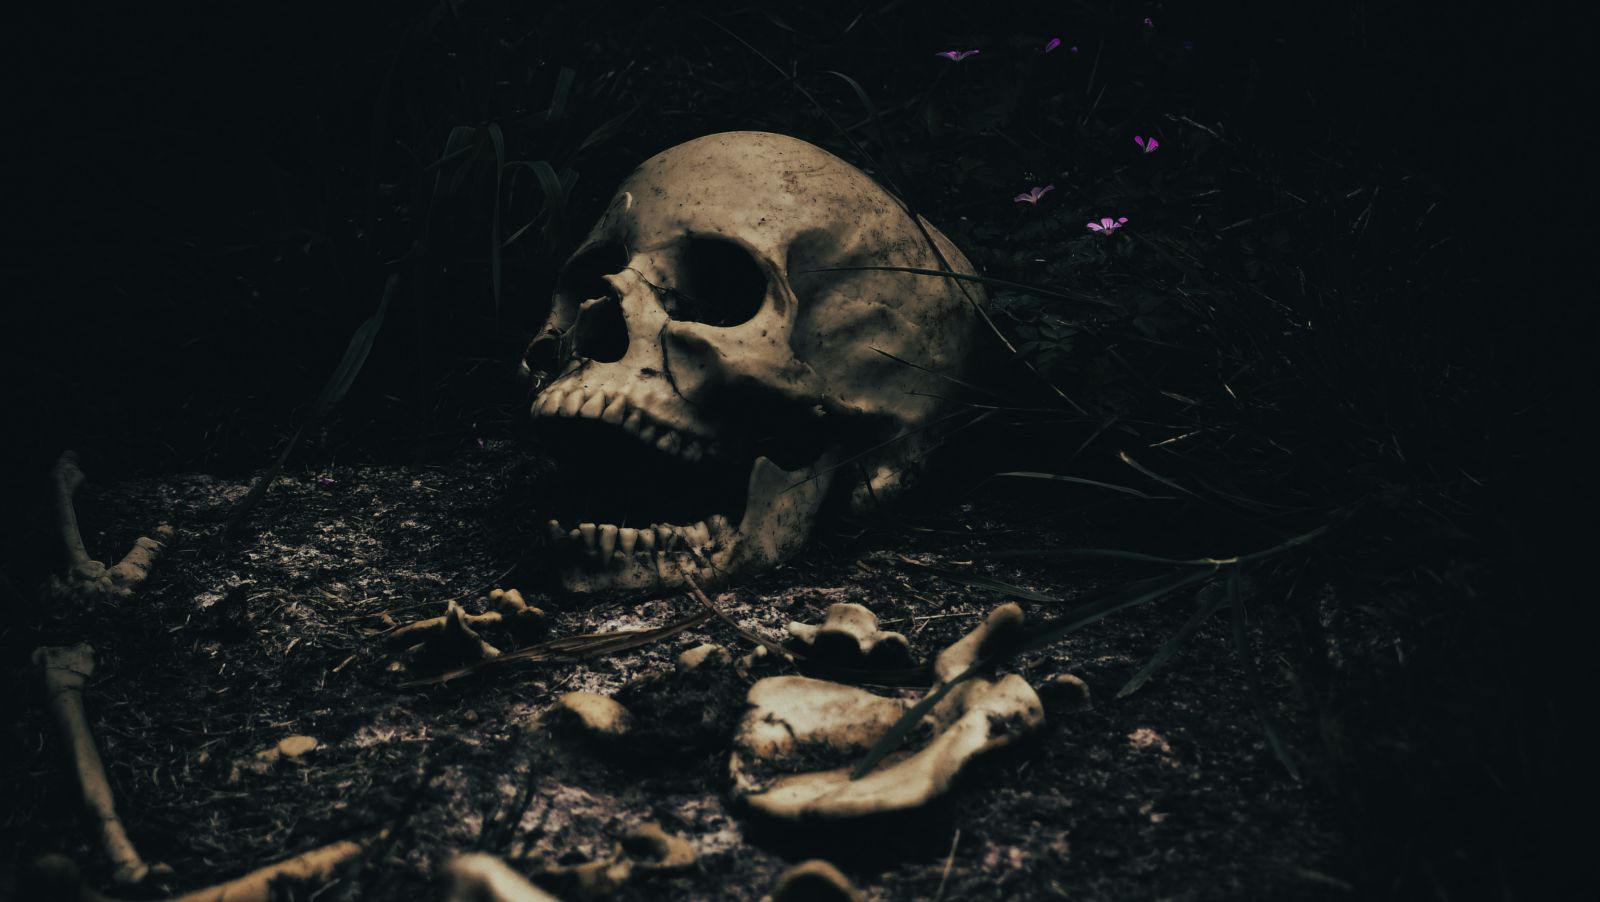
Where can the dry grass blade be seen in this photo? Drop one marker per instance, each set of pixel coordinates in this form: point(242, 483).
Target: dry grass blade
point(980, 581)
point(1079, 480)
point(569, 648)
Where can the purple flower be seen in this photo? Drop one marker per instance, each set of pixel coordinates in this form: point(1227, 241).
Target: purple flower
point(325, 480)
point(1033, 194)
point(1054, 43)
point(1148, 23)
point(1148, 145)
point(1107, 225)
point(956, 56)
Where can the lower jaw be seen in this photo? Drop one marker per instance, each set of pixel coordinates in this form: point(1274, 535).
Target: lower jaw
point(781, 508)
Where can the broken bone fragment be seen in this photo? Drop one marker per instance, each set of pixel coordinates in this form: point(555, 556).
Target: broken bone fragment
point(1066, 691)
point(453, 638)
point(706, 365)
point(814, 881)
point(85, 577)
point(293, 749)
point(849, 637)
point(708, 655)
point(478, 877)
point(596, 715)
point(645, 849)
point(64, 672)
point(794, 723)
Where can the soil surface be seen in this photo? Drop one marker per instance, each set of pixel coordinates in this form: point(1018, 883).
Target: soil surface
point(1172, 792)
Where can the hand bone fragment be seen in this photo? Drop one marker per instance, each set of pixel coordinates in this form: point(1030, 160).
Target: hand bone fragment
point(85, 577)
point(65, 671)
point(795, 720)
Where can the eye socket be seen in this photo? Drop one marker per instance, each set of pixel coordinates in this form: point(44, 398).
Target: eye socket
point(582, 278)
point(721, 284)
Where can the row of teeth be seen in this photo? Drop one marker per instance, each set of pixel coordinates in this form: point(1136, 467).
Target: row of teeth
point(617, 411)
point(605, 540)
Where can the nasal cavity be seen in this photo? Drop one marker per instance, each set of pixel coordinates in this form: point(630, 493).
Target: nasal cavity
point(544, 354)
point(601, 330)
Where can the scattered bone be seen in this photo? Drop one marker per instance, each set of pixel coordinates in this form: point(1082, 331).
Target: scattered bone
point(453, 640)
point(61, 879)
point(1067, 692)
point(815, 881)
point(709, 654)
point(597, 715)
point(85, 577)
point(507, 608)
point(644, 849)
point(849, 637)
point(793, 720)
point(290, 748)
point(484, 878)
point(65, 671)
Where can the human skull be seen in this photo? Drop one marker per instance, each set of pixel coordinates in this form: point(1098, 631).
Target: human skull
point(716, 359)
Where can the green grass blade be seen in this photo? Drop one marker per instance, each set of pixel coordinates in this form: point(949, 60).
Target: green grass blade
point(983, 582)
point(558, 99)
point(344, 375)
point(455, 147)
point(896, 735)
point(605, 130)
point(1027, 474)
point(1128, 596)
point(554, 210)
point(1252, 678)
point(355, 353)
point(1171, 646)
point(1128, 459)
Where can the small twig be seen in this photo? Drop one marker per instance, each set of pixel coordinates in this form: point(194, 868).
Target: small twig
point(772, 647)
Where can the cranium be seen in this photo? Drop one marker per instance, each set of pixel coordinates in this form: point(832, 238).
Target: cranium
point(716, 359)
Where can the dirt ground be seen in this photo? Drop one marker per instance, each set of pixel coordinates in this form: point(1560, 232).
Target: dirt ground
point(1171, 793)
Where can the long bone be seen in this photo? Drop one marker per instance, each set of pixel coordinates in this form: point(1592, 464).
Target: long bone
point(65, 671)
point(64, 882)
point(86, 576)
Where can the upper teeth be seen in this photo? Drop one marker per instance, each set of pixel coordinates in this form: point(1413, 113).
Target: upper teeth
point(617, 409)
